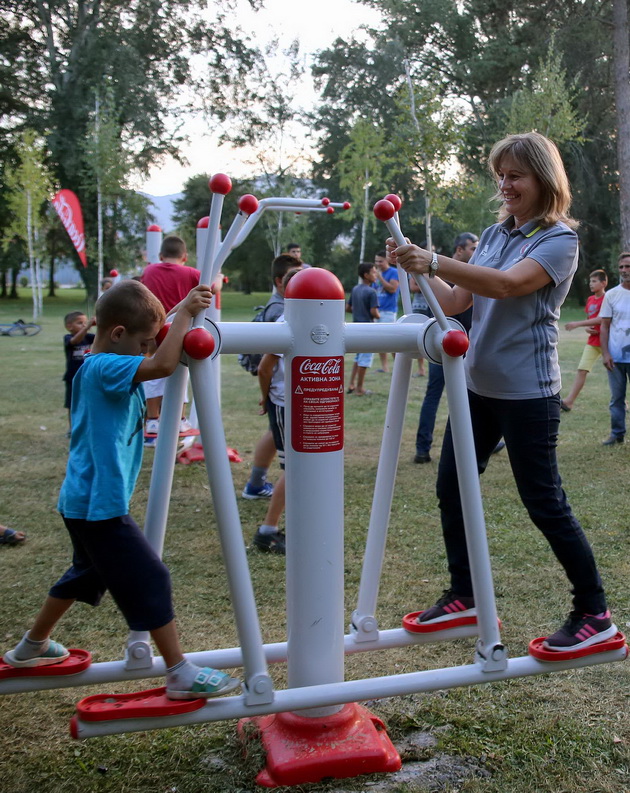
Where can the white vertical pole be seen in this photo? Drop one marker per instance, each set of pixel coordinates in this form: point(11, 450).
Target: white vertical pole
point(153, 243)
point(315, 309)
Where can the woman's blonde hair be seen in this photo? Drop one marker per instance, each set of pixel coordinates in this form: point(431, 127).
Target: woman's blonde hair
point(539, 155)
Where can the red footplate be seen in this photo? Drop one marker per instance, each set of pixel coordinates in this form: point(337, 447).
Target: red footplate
point(187, 434)
point(537, 650)
point(139, 705)
point(410, 623)
point(78, 661)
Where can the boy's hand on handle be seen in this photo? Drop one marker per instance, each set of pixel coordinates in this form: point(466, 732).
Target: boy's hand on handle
point(198, 299)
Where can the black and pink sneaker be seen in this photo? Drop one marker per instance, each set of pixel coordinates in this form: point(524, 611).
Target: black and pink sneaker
point(449, 606)
point(581, 630)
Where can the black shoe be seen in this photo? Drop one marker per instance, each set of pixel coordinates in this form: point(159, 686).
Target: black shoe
point(580, 631)
point(500, 445)
point(270, 543)
point(611, 440)
point(422, 458)
point(450, 606)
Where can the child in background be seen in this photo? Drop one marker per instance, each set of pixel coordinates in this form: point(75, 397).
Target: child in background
point(110, 552)
point(363, 304)
point(76, 343)
point(597, 281)
point(170, 280)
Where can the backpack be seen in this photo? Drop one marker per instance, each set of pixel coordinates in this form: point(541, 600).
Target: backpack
point(251, 360)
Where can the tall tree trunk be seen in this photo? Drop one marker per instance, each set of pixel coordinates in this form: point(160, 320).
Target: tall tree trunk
point(622, 102)
point(51, 277)
point(15, 273)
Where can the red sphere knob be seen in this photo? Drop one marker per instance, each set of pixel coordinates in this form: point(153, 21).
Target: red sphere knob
point(346, 205)
point(325, 201)
point(455, 343)
point(203, 222)
point(160, 335)
point(113, 273)
point(199, 343)
point(220, 183)
point(154, 228)
point(395, 200)
point(384, 210)
point(248, 204)
point(330, 210)
point(315, 283)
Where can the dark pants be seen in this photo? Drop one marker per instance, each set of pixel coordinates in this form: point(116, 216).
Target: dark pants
point(429, 409)
point(114, 555)
point(530, 429)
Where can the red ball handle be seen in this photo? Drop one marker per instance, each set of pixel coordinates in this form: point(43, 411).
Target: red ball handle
point(199, 344)
point(220, 183)
point(384, 210)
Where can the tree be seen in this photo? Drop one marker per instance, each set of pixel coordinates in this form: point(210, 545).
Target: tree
point(361, 166)
point(142, 49)
point(622, 107)
point(29, 186)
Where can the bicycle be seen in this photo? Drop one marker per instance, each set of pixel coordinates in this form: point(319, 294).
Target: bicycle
point(19, 328)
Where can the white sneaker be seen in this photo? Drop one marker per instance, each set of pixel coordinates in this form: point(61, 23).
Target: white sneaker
point(185, 425)
point(151, 426)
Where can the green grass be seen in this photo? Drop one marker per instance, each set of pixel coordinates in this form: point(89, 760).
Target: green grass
point(566, 732)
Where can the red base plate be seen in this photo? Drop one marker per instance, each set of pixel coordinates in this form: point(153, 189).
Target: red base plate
point(187, 434)
point(301, 750)
point(196, 455)
point(78, 661)
point(409, 623)
point(537, 650)
point(139, 705)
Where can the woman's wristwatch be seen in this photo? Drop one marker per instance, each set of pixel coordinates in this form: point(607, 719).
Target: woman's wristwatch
point(434, 265)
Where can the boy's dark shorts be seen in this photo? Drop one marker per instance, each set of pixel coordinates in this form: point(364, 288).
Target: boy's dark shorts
point(114, 555)
point(276, 425)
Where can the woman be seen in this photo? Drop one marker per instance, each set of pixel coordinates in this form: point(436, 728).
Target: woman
point(524, 266)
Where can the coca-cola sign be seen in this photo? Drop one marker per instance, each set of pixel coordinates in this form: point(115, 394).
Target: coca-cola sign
point(68, 208)
point(325, 366)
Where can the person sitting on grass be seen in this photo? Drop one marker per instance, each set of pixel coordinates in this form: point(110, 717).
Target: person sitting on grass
point(110, 552)
point(363, 304)
point(597, 281)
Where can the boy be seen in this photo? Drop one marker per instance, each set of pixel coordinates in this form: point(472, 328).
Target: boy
point(271, 381)
point(76, 343)
point(597, 281)
point(170, 281)
point(388, 290)
point(257, 486)
point(363, 304)
point(110, 551)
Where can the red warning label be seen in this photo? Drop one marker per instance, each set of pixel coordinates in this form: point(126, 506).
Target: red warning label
point(317, 404)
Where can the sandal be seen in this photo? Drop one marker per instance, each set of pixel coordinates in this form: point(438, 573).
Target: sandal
point(55, 654)
point(11, 536)
point(208, 683)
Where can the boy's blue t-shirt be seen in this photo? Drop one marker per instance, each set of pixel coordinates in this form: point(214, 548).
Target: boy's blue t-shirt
point(107, 438)
point(362, 299)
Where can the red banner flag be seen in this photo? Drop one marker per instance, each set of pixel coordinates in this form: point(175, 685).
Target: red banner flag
point(69, 210)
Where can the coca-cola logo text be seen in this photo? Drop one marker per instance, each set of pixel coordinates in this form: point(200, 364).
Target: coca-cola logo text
point(328, 366)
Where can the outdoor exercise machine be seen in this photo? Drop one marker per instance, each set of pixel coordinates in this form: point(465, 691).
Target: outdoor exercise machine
point(314, 728)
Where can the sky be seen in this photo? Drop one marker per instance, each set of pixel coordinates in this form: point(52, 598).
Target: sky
point(316, 23)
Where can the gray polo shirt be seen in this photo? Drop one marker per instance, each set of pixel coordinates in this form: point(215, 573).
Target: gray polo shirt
point(513, 342)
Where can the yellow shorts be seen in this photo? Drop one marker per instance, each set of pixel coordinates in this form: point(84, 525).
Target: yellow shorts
point(589, 356)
